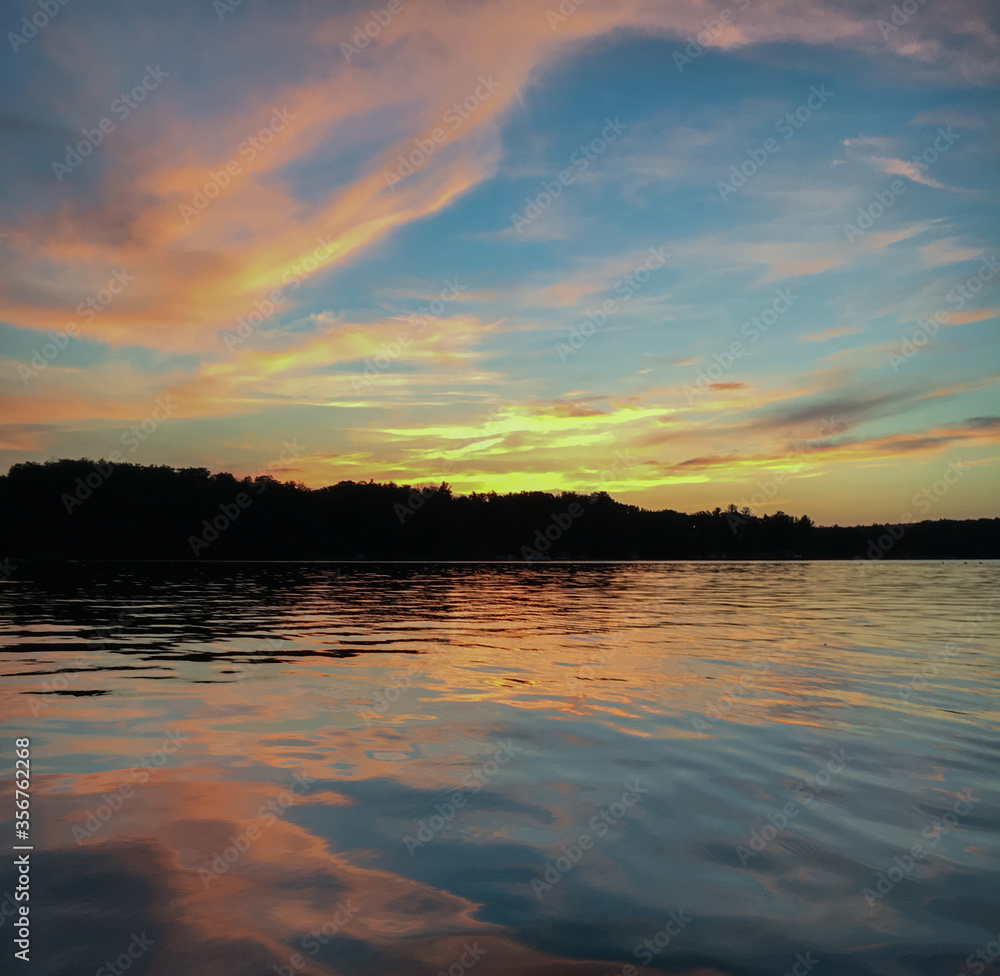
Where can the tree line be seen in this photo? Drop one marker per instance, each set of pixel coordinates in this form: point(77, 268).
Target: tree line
point(85, 509)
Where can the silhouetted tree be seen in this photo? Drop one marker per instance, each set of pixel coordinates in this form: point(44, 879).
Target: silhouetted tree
point(83, 509)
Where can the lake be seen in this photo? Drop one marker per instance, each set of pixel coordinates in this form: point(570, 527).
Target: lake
point(599, 769)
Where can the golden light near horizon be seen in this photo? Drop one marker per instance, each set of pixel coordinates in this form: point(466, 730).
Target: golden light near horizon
point(512, 242)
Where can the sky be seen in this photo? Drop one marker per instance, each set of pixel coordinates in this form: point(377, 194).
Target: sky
point(688, 253)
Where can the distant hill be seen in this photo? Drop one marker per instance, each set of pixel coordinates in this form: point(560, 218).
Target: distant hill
point(83, 509)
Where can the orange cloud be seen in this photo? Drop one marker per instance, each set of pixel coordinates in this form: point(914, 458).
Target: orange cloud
point(832, 333)
point(973, 315)
point(195, 276)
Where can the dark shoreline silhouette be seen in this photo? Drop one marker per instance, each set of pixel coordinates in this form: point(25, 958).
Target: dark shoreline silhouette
point(84, 509)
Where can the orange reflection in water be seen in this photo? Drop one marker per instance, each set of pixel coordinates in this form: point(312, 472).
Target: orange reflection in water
point(715, 690)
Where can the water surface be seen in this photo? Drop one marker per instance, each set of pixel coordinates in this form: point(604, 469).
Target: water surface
point(702, 768)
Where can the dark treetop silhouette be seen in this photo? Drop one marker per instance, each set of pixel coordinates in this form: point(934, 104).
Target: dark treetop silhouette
point(82, 509)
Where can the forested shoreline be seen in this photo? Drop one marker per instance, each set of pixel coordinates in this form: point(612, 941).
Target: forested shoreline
point(84, 509)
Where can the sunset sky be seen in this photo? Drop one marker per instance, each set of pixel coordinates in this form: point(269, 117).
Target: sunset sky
point(338, 261)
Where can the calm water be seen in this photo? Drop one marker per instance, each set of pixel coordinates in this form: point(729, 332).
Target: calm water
point(688, 768)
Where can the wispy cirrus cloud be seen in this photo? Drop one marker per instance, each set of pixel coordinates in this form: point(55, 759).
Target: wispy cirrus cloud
point(834, 332)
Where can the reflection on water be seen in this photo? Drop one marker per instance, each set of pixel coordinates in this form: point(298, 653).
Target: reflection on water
point(690, 768)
